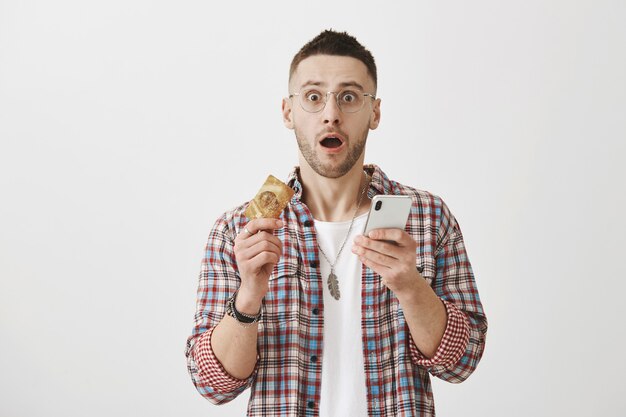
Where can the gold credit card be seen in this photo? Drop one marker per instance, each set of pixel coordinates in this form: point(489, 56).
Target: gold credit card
point(271, 199)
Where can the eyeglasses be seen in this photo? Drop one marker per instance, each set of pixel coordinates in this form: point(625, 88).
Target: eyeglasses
point(348, 101)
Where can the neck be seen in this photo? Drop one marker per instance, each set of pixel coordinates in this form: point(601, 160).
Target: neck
point(334, 199)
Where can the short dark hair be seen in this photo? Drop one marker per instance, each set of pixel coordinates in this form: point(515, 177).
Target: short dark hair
point(330, 42)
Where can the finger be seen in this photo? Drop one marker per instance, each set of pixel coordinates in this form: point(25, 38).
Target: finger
point(262, 246)
point(246, 249)
point(255, 225)
point(374, 256)
point(386, 248)
point(374, 266)
point(397, 235)
point(261, 236)
point(249, 248)
point(262, 259)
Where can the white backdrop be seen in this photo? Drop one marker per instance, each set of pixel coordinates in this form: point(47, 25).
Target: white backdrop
point(127, 127)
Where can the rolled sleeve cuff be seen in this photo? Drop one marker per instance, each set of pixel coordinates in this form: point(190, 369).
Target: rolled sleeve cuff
point(210, 370)
point(453, 343)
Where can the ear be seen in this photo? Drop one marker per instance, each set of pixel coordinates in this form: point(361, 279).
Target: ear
point(287, 115)
point(375, 117)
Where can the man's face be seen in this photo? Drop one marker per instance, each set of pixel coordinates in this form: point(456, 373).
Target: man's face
point(331, 141)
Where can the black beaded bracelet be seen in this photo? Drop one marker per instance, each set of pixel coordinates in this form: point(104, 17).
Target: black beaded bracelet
point(243, 318)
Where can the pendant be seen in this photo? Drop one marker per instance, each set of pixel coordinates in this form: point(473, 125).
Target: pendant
point(333, 285)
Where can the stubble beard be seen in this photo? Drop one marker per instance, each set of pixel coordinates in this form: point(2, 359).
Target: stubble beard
point(355, 150)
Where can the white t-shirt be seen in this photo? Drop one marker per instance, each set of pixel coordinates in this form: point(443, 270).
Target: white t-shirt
point(343, 391)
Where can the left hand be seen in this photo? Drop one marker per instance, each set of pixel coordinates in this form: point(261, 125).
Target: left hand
point(394, 262)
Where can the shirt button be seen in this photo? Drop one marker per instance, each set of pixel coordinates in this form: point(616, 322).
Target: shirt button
point(308, 223)
point(316, 311)
point(313, 358)
point(313, 264)
point(420, 269)
point(310, 404)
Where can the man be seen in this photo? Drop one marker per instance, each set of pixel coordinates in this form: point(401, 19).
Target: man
point(267, 317)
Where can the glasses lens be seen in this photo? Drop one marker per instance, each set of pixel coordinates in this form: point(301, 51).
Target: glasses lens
point(312, 100)
point(350, 101)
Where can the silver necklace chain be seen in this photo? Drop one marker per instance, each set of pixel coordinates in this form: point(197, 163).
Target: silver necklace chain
point(334, 289)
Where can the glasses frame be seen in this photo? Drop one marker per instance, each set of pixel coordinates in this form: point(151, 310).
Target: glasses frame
point(299, 94)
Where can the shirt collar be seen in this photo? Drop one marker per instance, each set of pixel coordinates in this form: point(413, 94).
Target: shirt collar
point(379, 184)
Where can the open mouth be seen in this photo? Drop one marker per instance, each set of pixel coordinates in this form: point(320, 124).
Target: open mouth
point(331, 142)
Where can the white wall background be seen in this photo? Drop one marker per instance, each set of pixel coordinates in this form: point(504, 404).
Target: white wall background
point(125, 131)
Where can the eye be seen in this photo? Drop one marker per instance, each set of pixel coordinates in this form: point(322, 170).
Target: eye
point(348, 96)
point(313, 96)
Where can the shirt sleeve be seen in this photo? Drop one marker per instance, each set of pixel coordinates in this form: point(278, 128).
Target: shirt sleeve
point(217, 281)
point(210, 370)
point(453, 341)
point(463, 342)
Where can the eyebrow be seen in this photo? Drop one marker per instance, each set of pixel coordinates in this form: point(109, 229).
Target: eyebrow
point(341, 85)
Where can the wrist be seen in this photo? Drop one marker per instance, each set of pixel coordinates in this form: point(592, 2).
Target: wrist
point(414, 294)
point(248, 302)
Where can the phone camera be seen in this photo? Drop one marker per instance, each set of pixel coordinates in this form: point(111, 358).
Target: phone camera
point(378, 205)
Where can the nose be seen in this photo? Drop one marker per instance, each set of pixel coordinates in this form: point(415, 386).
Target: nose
point(331, 113)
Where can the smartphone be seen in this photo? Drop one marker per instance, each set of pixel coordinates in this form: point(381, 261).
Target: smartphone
point(388, 211)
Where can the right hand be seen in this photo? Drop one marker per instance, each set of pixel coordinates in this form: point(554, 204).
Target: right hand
point(257, 251)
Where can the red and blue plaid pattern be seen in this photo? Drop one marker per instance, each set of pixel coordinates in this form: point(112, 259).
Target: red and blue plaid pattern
point(287, 377)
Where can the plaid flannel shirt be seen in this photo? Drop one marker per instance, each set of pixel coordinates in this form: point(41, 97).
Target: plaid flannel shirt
point(287, 377)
